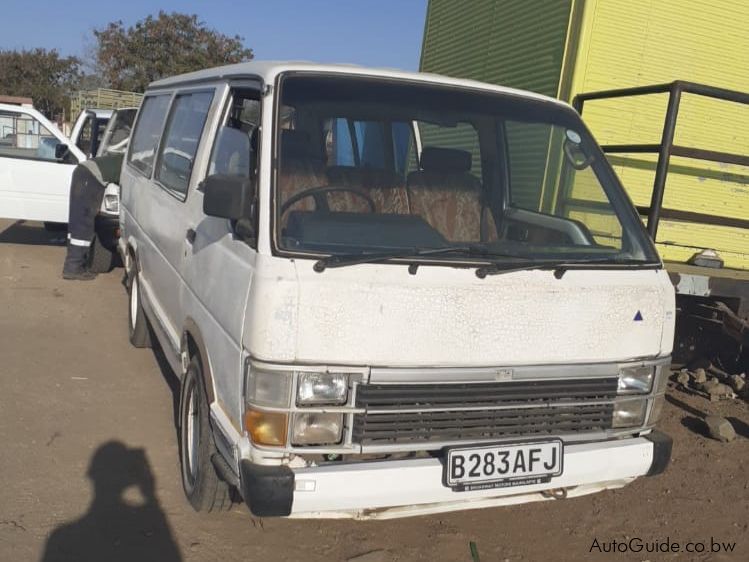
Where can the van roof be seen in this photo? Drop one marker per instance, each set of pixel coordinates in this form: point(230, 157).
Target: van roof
point(268, 70)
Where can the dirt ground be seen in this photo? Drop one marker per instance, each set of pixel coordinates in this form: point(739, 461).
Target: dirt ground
point(89, 458)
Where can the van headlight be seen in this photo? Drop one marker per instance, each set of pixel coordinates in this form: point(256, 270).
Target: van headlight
point(639, 379)
point(111, 203)
point(295, 406)
point(629, 413)
point(321, 389)
point(316, 428)
point(265, 390)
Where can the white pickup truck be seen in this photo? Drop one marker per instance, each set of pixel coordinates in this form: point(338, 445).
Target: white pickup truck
point(37, 162)
point(35, 170)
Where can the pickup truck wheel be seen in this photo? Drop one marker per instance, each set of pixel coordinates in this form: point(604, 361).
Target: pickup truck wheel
point(203, 487)
point(137, 324)
point(100, 259)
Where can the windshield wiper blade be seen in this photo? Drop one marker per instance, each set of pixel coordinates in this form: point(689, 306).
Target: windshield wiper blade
point(559, 267)
point(371, 257)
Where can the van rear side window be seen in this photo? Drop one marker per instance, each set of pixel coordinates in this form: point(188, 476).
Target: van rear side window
point(181, 138)
point(147, 133)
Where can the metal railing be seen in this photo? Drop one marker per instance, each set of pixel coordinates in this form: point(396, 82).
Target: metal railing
point(103, 98)
point(667, 148)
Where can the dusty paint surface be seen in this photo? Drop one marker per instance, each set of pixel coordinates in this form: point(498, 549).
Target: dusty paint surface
point(379, 315)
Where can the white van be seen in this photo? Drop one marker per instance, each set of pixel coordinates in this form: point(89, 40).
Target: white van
point(391, 293)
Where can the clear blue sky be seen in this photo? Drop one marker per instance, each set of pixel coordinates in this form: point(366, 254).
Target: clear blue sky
point(371, 32)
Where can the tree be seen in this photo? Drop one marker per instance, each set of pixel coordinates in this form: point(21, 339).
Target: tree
point(156, 47)
point(44, 76)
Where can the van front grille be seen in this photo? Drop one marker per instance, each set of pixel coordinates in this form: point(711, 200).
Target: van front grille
point(428, 413)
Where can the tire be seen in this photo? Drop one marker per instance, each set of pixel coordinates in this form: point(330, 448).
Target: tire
point(100, 259)
point(137, 323)
point(204, 489)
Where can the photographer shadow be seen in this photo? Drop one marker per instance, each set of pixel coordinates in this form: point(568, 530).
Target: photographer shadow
point(124, 521)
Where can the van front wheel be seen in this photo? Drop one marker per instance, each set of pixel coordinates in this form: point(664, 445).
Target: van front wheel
point(203, 487)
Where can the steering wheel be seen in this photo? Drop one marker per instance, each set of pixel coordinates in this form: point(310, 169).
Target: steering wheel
point(316, 192)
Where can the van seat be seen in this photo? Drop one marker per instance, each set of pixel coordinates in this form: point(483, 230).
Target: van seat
point(448, 196)
point(385, 188)
point(302, 168)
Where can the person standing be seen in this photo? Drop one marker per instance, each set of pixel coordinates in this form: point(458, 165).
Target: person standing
point(90, 179)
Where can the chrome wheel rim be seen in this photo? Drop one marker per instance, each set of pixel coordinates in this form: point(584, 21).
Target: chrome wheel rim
point(191, 437)
point(134, 302)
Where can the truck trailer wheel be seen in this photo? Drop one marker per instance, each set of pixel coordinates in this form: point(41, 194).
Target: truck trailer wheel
point(203, 487)
point(100, 259)
point(137, 323)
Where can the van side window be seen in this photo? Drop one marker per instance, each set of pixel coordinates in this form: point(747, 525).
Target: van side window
point(237, 138)
point(181, 138)
point(454, 136)
point(354, 143)
point(147, 133)
point(236, 143)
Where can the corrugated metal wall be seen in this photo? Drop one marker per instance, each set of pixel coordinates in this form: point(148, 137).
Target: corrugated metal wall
point(639, 42)
point(518, 43)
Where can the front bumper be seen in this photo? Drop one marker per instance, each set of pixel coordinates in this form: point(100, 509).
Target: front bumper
point(386, 489)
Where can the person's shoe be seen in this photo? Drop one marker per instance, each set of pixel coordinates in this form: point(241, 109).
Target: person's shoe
point(79, 275)
point(74, 267)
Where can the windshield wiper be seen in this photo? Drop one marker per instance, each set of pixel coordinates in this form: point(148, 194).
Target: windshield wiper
point(371, 257)
point(559, 267)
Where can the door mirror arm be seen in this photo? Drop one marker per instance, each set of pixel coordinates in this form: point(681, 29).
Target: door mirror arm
point(245, 230)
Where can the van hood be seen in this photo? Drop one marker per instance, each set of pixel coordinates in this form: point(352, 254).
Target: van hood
point(380, 315)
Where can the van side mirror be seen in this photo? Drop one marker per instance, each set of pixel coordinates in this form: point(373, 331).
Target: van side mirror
point(61, 151)
point(228, 197)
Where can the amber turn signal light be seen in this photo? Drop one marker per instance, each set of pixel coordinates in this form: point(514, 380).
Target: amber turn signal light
point(266, 428)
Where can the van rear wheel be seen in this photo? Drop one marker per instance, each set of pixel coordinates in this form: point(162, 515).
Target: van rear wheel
point(203, 487)
point(137, 324)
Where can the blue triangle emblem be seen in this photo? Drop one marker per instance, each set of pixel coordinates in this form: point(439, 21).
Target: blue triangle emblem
point(638, 316)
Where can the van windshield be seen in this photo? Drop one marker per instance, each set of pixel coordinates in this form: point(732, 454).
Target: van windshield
point(375, 166)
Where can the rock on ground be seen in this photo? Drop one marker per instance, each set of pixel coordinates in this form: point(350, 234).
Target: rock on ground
point(737, 383)
point(700, 376)
point(720, 428)
point(720, 391)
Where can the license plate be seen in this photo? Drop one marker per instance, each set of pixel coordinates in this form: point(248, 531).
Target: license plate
point(503, 465)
